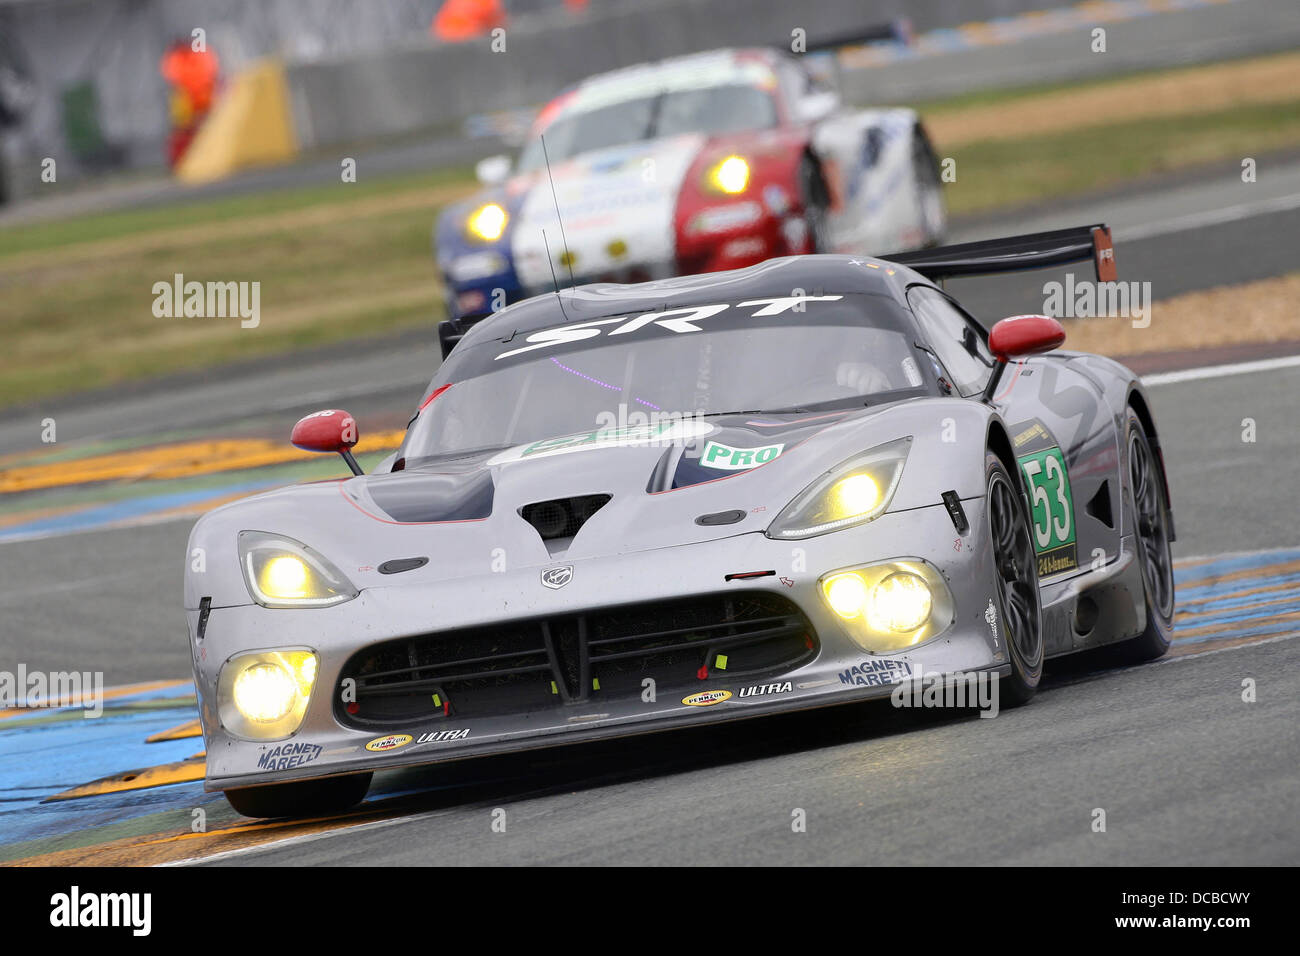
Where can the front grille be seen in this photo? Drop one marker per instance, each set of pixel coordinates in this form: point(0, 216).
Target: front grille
point(525, 666)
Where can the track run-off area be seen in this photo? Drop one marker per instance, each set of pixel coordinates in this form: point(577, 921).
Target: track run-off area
point(127, 787)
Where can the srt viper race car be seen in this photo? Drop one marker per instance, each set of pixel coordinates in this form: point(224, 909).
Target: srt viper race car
point(628, 508)
point(695, 164)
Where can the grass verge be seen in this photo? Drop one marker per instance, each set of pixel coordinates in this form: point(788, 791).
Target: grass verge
point(340, 262)
point(1262, 311)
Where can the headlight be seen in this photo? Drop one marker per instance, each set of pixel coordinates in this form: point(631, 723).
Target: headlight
point(846, 594)
point(900, 603)
point(890, 606)
point(851, 493)
point(264, 695)
point(730, 176)
point(488, 221)
point(282, 572)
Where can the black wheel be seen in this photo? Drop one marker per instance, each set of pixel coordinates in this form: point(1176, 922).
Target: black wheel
point(929, 189)
point(1151, 529)
point(308, 798)
point(816, 204)
point(1016, 580)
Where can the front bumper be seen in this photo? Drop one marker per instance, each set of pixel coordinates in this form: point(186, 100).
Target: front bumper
point(384, 613)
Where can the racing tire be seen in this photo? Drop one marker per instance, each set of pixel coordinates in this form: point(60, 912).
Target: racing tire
point(1015, 571)
point(301, 799)
point(931, 211)
point(1151, 530)
point(816, 206)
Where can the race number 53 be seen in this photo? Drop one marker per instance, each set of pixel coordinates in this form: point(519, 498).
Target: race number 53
point(1049, 499)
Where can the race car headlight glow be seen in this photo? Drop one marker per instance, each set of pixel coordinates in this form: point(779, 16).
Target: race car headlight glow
point(488, 222)
point(890, 606)
point(846, 594)
point(264, 695)
point(900, 603)
point(730, 176)
point(282, 572)
point(852, 493)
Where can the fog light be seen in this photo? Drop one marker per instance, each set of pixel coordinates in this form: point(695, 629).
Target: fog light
point(901, 602)
point(846, 594)
point(264, 695)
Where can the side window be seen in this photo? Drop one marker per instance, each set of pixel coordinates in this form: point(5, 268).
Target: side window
point(954, 338)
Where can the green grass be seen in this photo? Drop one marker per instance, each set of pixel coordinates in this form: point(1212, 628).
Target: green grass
point(77, 293)
point(204, 212)
point(1000, 173)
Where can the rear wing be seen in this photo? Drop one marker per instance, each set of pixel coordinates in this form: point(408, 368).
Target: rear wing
point(892, 31)
point(1036, 250)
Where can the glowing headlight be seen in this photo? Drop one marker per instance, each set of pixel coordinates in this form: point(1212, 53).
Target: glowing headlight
point(899, 603)
point(852, 493)
point(264, 695)
point(846, 594)
point(285, 576)
point(731, 175)
point(890, 606)
point(488, 222)
point(282, 572)
point(855, 495)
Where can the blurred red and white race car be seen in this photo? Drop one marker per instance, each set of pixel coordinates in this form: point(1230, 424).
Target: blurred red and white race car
point(694, 164)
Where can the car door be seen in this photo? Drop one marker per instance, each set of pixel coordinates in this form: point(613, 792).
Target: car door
point(1063, 439)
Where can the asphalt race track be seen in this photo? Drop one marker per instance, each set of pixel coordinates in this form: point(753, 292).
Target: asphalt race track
point(1187, 772)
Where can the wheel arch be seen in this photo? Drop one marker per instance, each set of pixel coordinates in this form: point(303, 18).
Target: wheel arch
point(999, 442)
point(809, 154)
point(1137, 401)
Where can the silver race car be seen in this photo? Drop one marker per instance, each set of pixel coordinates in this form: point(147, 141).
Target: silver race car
point(627, 508)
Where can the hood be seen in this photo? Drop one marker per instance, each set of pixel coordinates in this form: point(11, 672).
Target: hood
point(616, 205)
point(688, 483)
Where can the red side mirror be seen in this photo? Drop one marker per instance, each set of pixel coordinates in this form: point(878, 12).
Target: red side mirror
point(330, 430)
point(1021, 335)
point(1017, 336)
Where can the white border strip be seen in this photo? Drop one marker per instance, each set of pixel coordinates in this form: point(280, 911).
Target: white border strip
point(1220, 371)
point(1210, 217)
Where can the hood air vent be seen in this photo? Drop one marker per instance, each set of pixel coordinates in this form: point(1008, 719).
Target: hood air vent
point(562, 517)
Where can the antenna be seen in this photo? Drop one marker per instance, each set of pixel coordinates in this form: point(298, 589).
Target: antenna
point(568, 258)
point(551, 263)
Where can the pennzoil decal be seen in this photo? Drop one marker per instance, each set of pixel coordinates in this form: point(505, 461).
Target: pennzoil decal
point(707, 698)
point(390, 742)
point(1051, 510)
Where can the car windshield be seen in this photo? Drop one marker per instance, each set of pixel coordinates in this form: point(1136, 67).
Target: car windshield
point(711, 110)
point(666, 366)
